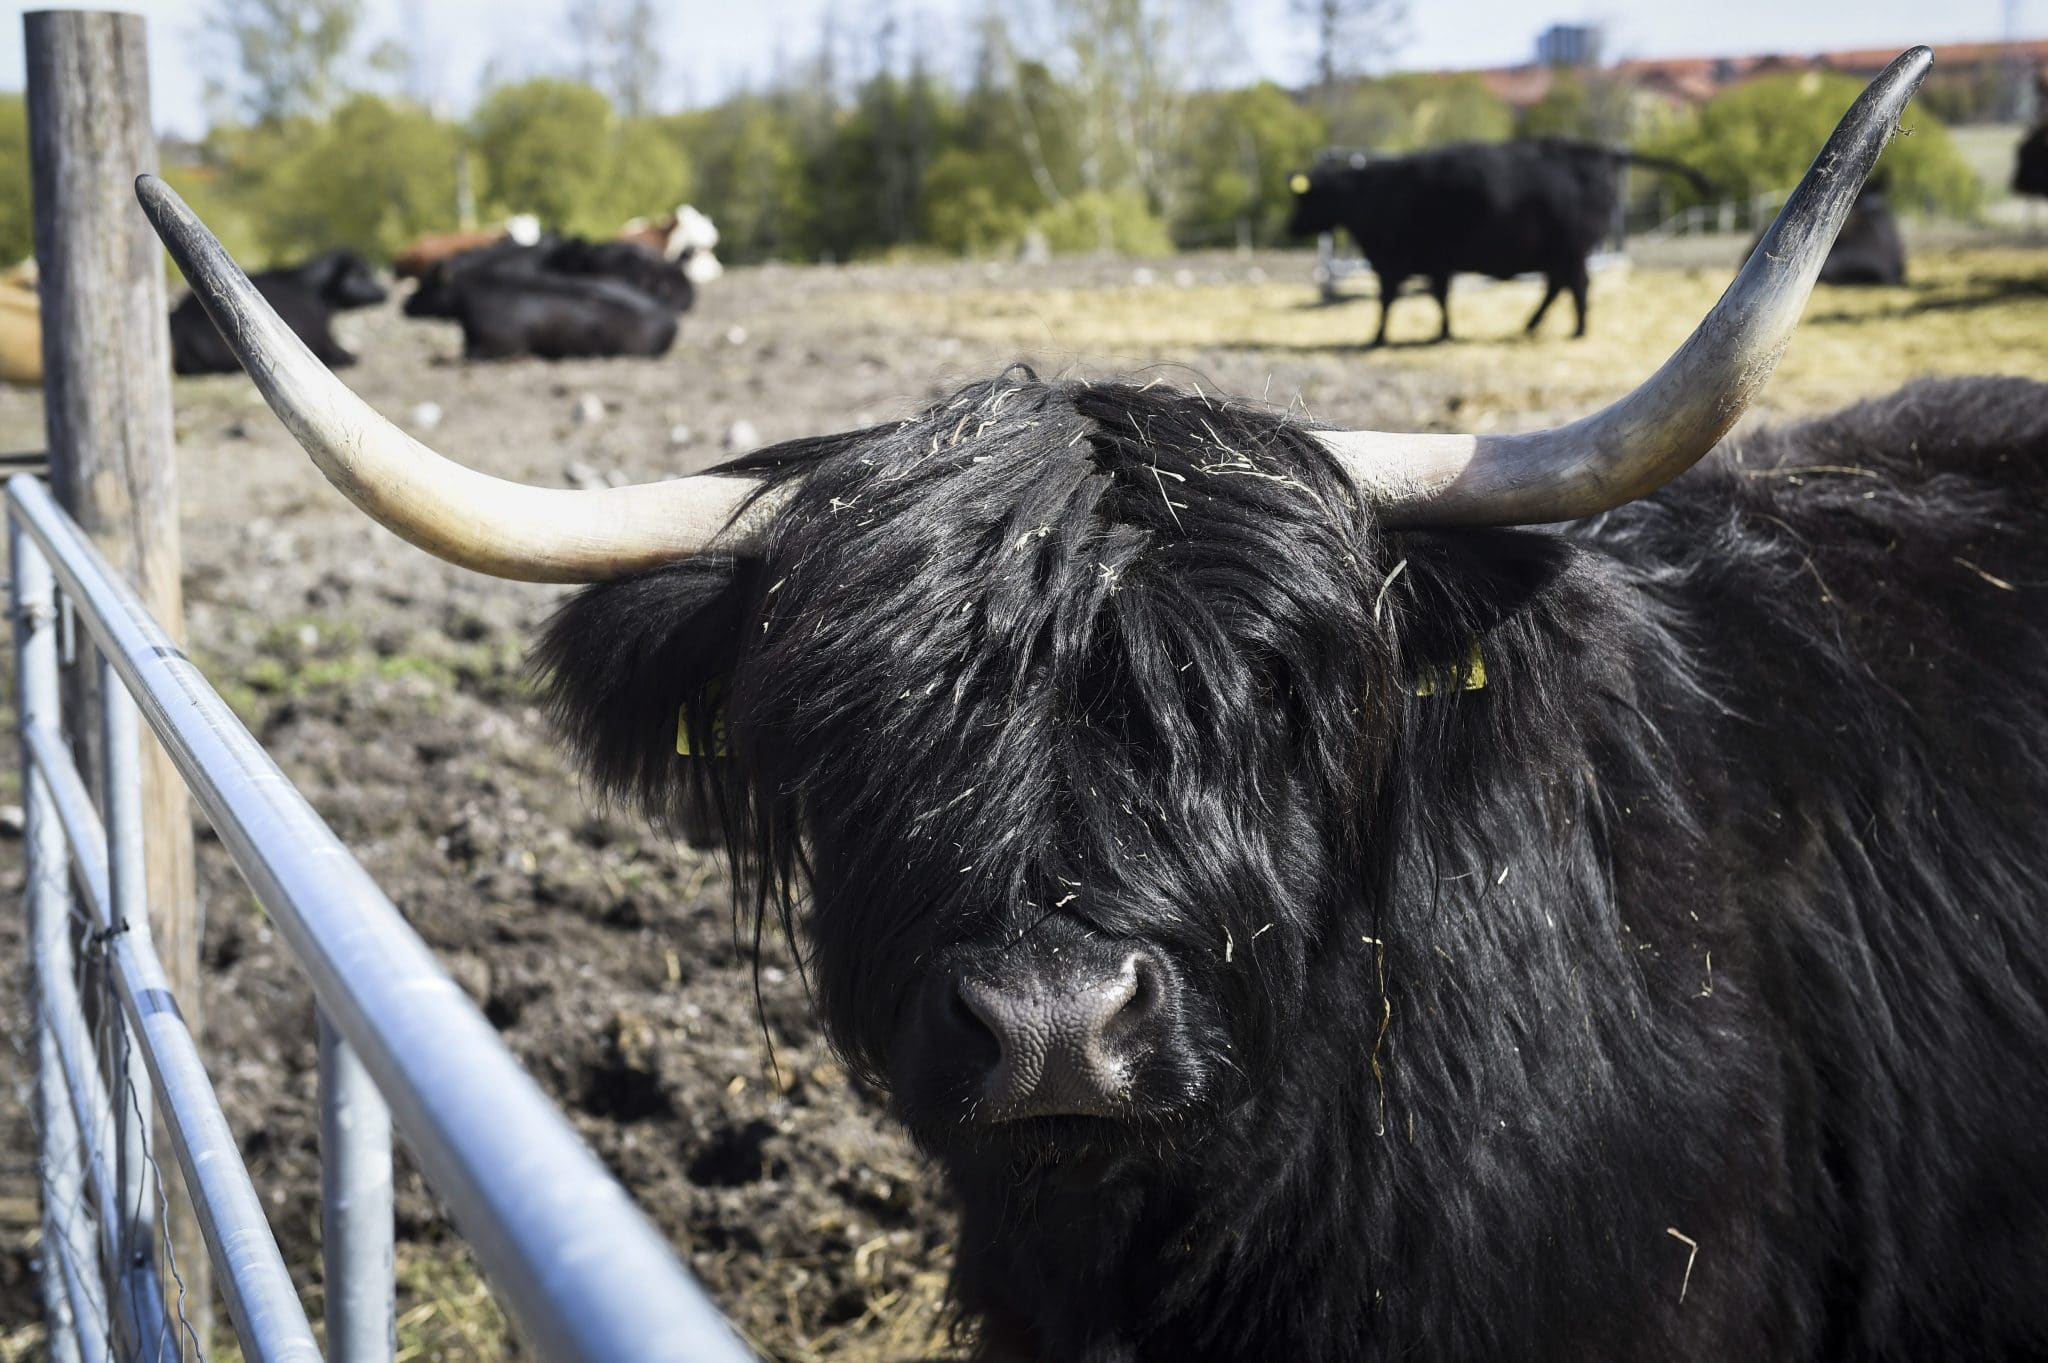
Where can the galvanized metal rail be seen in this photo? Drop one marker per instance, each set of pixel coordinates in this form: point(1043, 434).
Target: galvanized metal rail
point(574, 1263)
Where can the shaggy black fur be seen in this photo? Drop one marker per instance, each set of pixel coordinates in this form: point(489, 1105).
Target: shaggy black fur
point(1713, 914)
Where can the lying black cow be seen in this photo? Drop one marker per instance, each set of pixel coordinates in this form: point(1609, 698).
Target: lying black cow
point(307, 297)
point(625, 262)
point(1495, 208)
point(1869, 251)
point(2030, 173)
point(558, 298)
point(622, 262)
point(510, 306)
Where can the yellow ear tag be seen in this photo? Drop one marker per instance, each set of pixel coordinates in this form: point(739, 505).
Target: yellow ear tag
point(1299, 184)
point(683, 732)
point(1473, 679)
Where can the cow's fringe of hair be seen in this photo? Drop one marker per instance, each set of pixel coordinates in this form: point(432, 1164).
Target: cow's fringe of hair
point(1679, 993)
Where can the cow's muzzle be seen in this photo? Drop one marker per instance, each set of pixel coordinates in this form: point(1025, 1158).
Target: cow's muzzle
point(1055, 1031)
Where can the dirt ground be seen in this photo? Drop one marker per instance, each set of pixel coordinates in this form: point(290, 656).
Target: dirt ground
point(390, 687)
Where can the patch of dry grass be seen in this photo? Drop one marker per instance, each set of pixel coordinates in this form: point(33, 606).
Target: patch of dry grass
point(1966, 311)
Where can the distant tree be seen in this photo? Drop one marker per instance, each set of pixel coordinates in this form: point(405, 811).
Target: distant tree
point(1410, 110)
point(1242, 147)
point(1005, 158)
point(1587, 104)
point(1108, 84)
point(557, 149)
point(750, 176)
point(17, 219)
point(974, 202)
point(1351, 37)
point(1115, 220)
point(867, 175)
point(1761, 135)
point(270, 60)
point(619, 50)
point(372, 176)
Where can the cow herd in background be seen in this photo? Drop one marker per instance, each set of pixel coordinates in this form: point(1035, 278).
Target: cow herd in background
point(1504, 209)
point(514, 291)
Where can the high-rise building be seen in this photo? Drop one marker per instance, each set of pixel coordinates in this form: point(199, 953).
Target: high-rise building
point(1569, 45)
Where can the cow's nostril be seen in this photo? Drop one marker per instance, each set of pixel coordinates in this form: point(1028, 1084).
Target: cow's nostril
point(970, 1019)
point(1144, 996)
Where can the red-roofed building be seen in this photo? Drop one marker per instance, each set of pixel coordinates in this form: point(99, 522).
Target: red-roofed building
point(1687, 81)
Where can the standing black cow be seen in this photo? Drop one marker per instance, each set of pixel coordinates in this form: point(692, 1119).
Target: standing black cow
point(307, 296)
point(1308, 920)
point(2030, 171)
point(1496, 208)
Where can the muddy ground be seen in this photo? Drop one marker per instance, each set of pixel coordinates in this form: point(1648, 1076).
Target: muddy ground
point(391, 688)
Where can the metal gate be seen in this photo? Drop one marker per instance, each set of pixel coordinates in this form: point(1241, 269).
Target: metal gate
point(574, 1263)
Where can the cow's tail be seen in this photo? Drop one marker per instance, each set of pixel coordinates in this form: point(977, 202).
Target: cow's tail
point(1669, 167)
point(1621, 155)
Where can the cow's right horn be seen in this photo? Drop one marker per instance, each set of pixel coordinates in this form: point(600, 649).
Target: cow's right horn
point(507, 529)
point(1636, 445)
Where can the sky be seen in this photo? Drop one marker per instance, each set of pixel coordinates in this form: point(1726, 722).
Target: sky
point(714, 46)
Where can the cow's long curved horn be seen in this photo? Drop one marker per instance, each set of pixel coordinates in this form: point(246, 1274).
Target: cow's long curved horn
point(488, 524)
point(1660, 430)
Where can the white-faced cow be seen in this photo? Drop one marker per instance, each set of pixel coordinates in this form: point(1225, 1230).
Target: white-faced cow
point(1306, 917)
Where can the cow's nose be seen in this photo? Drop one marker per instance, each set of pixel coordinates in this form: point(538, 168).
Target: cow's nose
point(1068, 1034)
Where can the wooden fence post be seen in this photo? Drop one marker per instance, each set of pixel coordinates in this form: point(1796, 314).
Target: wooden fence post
point(107, 411)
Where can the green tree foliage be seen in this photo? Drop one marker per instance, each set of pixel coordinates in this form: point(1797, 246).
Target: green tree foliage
point(1591, 105)
point(1762, 135)
point(374, 176)
point(1243, 146)
point(1074, 142)
point(17, 219)
point(1407, 111)
point(1120, 221)
point(973, 204)
point(555, 148)
point(867, 172)
point(749, 176)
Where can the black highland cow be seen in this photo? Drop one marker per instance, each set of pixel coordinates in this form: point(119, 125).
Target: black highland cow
point(558, 298)
point(2030, 167)
point(306, 295)
point(628, 263)
point(1492, 208)
point(1869, 249)
point(1306, 919)
point(511, 305)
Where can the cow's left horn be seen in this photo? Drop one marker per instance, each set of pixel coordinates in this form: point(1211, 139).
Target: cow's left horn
point(1660, 430)
point(507, 529)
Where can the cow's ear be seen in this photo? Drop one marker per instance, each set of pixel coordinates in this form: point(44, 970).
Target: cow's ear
point(622, 664)
point(1457, 588)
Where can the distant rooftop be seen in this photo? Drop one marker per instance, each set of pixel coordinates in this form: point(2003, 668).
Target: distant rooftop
point(1694, 80)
